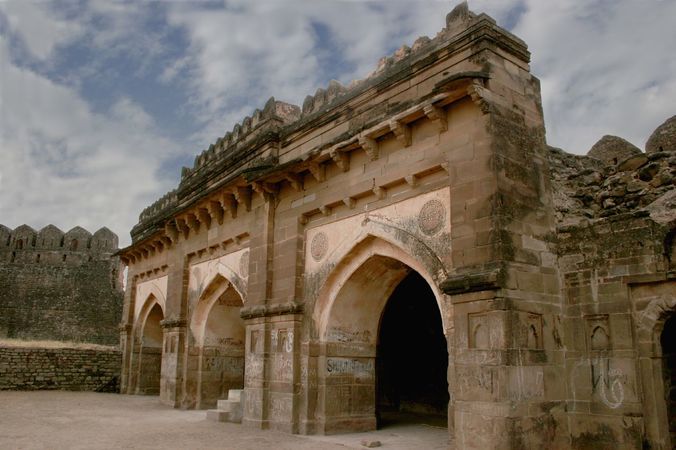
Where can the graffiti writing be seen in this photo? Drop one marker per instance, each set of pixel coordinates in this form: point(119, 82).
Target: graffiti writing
point(349, 366)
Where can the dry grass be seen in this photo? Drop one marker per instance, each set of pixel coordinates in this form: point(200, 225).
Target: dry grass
point(54, 344)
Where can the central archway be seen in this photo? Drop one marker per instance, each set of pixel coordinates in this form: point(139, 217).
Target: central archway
point(411, 358)
point(360, 309)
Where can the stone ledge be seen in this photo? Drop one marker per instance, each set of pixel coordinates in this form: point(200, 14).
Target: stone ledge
point(473, 282)
point(280, 309)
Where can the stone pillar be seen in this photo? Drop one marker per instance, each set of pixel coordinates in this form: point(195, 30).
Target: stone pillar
point(346, 385)
point(125, 348)
point(127, 337)
point(504, 286)
point(258, 340)
point(450, 376)
point(175, 329)
point(284, 369)
point(257, 347)
point(172, 365)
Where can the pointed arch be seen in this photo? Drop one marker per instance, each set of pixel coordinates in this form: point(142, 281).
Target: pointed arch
point(218, 334)
point(348, 315)
point(651, 319)
point(229, 275)
point(149, 343)
point(150, 290)
point(214, 291)
point(373, 251)
point(407, 242)
point(148, 304)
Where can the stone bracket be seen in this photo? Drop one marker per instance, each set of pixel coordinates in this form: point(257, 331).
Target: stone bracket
point(401, 131)
point(318, 171)
point(204, 217)
point(341, 159)
point(229, 203)
point(265, 190)
point(243, 196)
point(294, 180)
point(216, 211)
point(480, 95)
point(474, 282)
point(437, 115)
point(370, 146)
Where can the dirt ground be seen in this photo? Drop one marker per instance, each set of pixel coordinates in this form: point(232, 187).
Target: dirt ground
point(87, 420)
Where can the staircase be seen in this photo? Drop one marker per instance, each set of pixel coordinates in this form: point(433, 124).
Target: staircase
point(229, 410)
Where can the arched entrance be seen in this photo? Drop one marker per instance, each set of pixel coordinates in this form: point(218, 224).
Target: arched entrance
point(668, 341)
point(374, 311)
point(412, 357)
point(150, 354)
point(219, 333)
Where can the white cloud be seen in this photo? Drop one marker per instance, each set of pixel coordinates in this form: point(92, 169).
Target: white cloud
point(605, 67)
point(64, 164)
point(38, 27)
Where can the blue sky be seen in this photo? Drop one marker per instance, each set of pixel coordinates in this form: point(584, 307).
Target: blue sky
point(102, 102)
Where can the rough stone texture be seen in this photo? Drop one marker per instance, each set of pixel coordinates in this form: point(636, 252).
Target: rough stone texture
point(70, 369)
point(60, 286)
point(553, 274)
point(613, 150)
point(584, 188)
point(663, 139)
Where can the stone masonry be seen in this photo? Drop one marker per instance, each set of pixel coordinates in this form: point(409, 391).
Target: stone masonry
point(72, 369)
point(408, 245)
point(59, 286)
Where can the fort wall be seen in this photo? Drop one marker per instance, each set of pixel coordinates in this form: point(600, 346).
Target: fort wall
point(59, 286)
point(73, 369)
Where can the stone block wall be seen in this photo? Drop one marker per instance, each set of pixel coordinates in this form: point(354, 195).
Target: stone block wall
point(57, 286)
point(73, 369)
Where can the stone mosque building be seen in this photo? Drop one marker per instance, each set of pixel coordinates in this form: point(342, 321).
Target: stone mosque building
point(409, 246)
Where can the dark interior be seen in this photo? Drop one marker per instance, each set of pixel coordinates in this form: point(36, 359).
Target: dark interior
point(668, 341)
point(412, 357)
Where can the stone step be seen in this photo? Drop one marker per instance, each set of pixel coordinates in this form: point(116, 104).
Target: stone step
point(227, 405)
point(228, 410)
point(217, 415)
point(235, 394)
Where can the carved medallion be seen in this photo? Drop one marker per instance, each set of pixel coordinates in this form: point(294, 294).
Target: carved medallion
point(431, 217)
point(244, 265)
point(319, 246)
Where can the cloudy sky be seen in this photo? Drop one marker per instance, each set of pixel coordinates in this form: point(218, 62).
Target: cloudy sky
point(102, 102)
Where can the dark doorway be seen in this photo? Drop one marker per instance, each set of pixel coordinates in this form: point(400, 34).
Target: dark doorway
point(412, 358)
point(668, 341)
point(151, 353)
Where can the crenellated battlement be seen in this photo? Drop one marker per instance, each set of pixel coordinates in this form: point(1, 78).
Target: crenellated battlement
point(51, 245)
point(254, 142)
point(274, 115)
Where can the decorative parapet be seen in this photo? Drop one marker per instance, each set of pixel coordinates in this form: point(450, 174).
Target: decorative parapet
point(241, 157)
point(167, 200)
point(274, 115)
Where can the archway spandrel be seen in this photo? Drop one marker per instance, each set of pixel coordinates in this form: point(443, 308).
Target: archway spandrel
point(421, 225)
point(233, 267)
point(157, 288)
